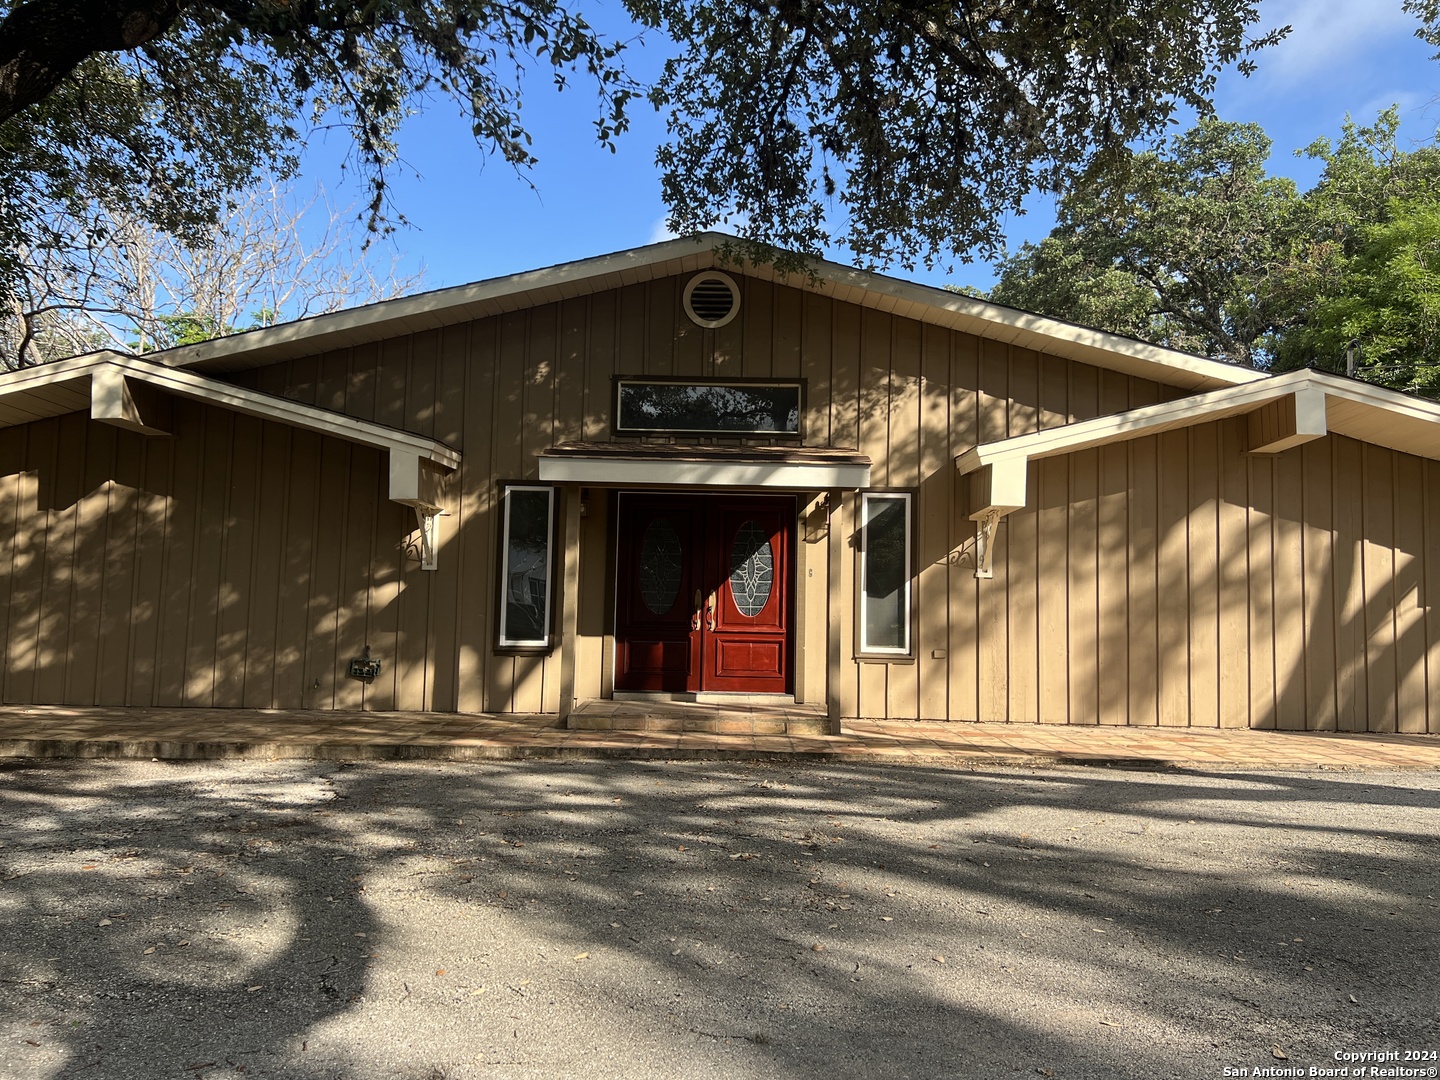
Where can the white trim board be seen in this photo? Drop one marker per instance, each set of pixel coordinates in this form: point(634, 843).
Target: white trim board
point(109, 384)
point(1323, 403)
point(609, 472)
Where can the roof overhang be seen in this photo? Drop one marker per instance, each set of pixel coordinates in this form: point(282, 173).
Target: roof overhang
point(1282, 411)
point(137, 395)
point(925, 303)
point(656, 465)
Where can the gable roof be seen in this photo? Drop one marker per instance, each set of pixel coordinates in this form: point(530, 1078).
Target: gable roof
point(483, 299)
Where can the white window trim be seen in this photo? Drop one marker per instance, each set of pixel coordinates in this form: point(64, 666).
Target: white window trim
point(866, 497)
point(505, 641)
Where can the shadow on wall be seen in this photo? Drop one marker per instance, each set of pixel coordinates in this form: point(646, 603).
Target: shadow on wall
point(1186, 583)
point(70, 459)
point(239, 564)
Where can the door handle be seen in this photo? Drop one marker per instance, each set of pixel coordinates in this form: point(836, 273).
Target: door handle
point(695, 615)
point(710, 613)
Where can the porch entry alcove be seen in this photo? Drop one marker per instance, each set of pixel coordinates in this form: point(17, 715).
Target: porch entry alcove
point(703, 555)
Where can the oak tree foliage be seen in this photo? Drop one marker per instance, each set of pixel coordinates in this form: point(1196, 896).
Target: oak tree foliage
point(1202, 249)
point(113, 110)
point(906, 129)
point(1372, 228)
point(1190, 251)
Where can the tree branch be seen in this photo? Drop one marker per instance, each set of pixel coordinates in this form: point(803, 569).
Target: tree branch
point(43, 41)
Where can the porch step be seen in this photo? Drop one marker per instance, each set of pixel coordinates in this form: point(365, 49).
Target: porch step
point(675, 716)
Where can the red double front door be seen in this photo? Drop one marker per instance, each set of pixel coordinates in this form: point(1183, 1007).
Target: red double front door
point(703, 593)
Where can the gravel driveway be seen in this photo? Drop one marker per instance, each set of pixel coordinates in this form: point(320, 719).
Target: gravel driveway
point(619, 919)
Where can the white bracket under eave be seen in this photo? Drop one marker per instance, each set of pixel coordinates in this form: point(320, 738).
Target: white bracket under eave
point(985, 526)
point(428, 517)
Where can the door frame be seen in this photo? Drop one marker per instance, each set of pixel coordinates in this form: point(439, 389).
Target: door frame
point(789, 574)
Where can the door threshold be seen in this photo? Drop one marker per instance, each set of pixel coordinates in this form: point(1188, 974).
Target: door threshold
point(706, 697)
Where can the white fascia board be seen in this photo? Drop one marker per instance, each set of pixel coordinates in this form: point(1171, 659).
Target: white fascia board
point(510, 290)
point(608, 472)
point(1313, 390)
point(284, 411)
point(60, 371)
point(1034, 331)
point(187, 384)
point(1136, 423)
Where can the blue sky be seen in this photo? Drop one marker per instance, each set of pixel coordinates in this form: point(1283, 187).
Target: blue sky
point(472, 218)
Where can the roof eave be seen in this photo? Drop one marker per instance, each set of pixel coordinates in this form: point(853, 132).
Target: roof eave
point(926, 303)
point(107, 366)
point(1356, 409)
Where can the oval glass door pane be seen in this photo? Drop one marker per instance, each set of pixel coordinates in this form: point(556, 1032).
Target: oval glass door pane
point(660, 566)
point(752, 569)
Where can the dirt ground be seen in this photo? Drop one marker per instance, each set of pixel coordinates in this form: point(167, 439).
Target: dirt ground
point(624, 919)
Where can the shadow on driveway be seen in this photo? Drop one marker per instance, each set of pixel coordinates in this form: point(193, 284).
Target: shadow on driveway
point(698, 919)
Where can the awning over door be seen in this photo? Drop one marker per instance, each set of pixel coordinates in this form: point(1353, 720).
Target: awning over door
point(645, 464)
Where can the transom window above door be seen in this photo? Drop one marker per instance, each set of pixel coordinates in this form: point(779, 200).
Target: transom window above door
point(710, 407)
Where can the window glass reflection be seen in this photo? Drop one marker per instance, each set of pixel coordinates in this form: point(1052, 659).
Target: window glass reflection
point(719, 408)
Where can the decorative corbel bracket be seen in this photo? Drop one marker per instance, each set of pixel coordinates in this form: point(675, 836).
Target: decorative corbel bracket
point(415, 482)
point(429, 520)
point(996, 488)
point(985, 526)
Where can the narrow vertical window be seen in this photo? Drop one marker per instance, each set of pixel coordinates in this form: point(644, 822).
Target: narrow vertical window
point(528, 525)
point(885, 573)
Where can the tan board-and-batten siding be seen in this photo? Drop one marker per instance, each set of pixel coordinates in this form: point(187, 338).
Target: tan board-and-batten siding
point(551, 367)
point(1172, 579)
point(229, 566)
point(1176, 580)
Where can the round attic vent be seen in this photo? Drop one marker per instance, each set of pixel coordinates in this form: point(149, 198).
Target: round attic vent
point(712, 299)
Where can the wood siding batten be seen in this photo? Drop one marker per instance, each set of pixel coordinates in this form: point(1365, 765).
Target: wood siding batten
point(1431, 595)
point(1234, 574)
point(1409, 593)
point(1316, 460)
point(1379, 578)
point(1022, 553)
point(933, 516)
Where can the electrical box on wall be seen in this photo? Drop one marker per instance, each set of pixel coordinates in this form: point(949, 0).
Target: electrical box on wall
point(363, 667)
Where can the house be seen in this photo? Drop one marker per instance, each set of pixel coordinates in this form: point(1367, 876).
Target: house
point(657, 473)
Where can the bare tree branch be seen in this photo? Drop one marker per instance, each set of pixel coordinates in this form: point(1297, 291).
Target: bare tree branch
point(135, 287)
